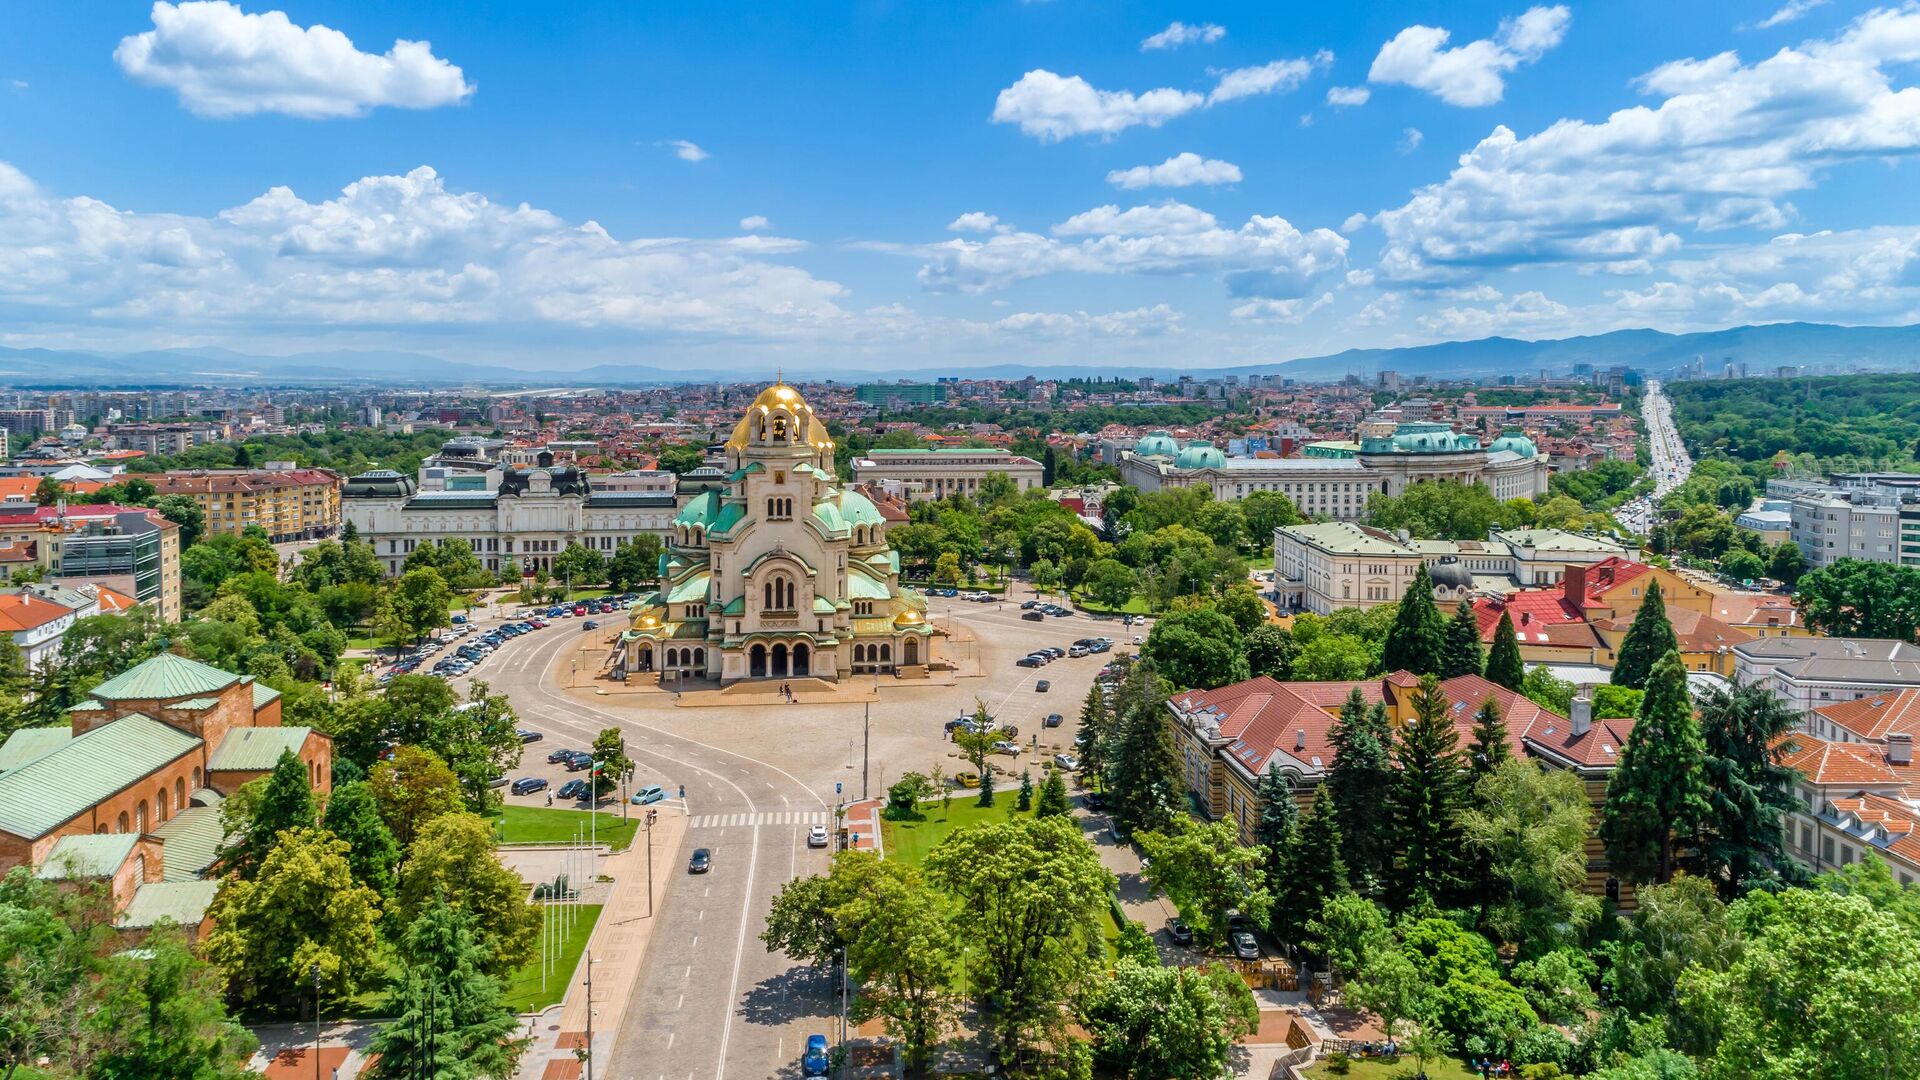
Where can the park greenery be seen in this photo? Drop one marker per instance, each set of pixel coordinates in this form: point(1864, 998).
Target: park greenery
point(1812, 425)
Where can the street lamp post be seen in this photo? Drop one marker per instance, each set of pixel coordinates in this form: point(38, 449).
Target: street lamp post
point(314, 970)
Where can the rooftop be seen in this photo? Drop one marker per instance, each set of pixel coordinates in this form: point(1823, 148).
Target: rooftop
point(164, 677)
point(50, 790)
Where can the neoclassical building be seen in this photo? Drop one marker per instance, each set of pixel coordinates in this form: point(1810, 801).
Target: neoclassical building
point(1335, 483)
point(781, 573)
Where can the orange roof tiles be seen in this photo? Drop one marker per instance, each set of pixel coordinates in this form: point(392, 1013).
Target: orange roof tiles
point(1875, 717)
point(1834, 764)
point(24, 611)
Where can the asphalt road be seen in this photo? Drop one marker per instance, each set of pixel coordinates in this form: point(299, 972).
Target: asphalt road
point(1671, 462)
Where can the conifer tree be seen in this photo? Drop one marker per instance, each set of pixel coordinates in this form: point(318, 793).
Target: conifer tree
point(1314, 871)
point(451, 1019)
point(1096, 721)
point(1024, 802)
point(1648, 639)
point(1490, 747)
point(353, 816)
point(1274, 830)
point(1504, 666)
point(1417, 639)
point(1463, 653)
point(1357, 787)
point(1429, 790)
point(1659, 787)
point(1053, 800)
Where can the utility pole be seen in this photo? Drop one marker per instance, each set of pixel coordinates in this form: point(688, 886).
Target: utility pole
point(866, 744)
point(589, 1016)
point(314, 970)
point(651, 814)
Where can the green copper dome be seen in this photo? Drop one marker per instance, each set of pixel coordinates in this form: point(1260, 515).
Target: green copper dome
point(1157, 444)
point(1517, 443)
point(1200, 455)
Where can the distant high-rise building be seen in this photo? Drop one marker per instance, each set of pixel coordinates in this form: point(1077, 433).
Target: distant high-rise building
point(905, 393)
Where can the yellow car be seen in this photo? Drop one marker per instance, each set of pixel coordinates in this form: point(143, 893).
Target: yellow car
point(967, 779)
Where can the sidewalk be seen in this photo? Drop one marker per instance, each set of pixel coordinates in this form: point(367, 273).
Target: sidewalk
point(618, 949)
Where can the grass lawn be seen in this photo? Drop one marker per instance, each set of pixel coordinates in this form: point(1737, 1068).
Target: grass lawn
point(1134, 606)
point(539, 825)
point(1403, 1069)
point(524, 992)
point(909, 841)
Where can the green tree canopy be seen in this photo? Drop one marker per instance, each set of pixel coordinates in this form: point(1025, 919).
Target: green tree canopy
point(1658, 790)
point(1168, 1023)
point(451, 1018)
point(1197, 648)
point(1649, 638)
point(301, 911)
point(1417, 641)
point(1504, 666)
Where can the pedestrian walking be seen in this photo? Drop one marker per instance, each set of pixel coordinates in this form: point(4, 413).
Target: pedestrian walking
point(549, 798)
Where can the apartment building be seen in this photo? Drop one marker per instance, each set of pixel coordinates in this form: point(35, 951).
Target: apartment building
point(132, 550)
point(160, 439)
point(1810, 672)
point(1337, 564)
point(290, 504)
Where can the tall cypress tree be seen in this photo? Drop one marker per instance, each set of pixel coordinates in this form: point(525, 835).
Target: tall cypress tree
point(1145, 787)
point(1358, 785)
point(1417, 640)
point(1659, 786)
point(285, 802)
point(451, 1017)
point(1490, 747)
point(1504, 666)
point(1463, 653)
point(1429, 790)
point(1750, 792)
point(1315, 871)
point(1648, 639)
point(1274, 831)
point(353, 816)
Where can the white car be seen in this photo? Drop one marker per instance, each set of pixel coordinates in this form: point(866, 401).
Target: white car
point(1067, 762)
point(817, 836)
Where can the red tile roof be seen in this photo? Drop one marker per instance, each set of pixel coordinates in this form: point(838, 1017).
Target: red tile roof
point(1612, 571)
point(24, 611)
point(1540, 617)
point(1875, 717)
point(1695, 630)
point(1833, 764)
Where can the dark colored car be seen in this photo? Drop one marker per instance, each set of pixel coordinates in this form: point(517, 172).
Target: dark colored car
point(528, 735)
point(1096, 800)
point(701, 862)
point(1033, 616)
point(1180, 932)
point(1029, 605)
point(1054, 719)
point(578, 760)
point(559, 754)
point(527, 785)
point(1028, 661)
point(590, 625)
point(574, 789)
point(1042, 686)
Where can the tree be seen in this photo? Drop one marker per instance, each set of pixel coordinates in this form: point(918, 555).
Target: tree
point(451, 1018)
point(1658, 788)
point(1857, 598)
point(1024, 802)
point(1490, 749)
point(418, 602)
point(1168, 1023)
point(1559, 985)
point(1359, 785)
point(185, 513)
point(1206, 872)
point(1273, 831)
point(302, 911)
point(1742, 565)
point(1110, 582)
point(1462, 654)
point(1828, 987)
point(1529, 826)
point(635, 562)
point(1649, 638)
point(1348, 932)
point(1787, 563)
point(1095, 735)
point(1504, 666)
point(1332, 658)
point(1417, 642)
point(453, 861)
point(1389, 986)
point(1673, 927)
point(1197, 648)
point(579, 565)
point(1242, 606)
point(354, 817)
point(1314, 871)
point(50, 937)
point(1143, 776)
point(49, 491)
point(1428, 793)
point(1270, 651)
point(1749, 792)
point(284, 801)
point(1547, 690)
point(480, 740)
point(159, 1014)
point(900, 947)
point(1266, 511)
point(905, 794)
point(611, 761)
point(411, 789)
point(1053, 800)
point(1437, 509)
point(1031, 895)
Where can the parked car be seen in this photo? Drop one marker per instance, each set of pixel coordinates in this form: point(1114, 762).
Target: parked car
point(528, 735)
point(1005, 747)
point(527, 785)
point(1067, 762)
point(559, 754)
point(1245, 946)
point(1077, 651)
point(1028, 661)
point(701, 862)
point(967, 779)
point(817, 836)
point(579, 760)
point(1180, 932)
point(1054, 719)
point(574, 789)
point(459, 620)
point(814, 1060)
point(1042, 686)
point(652, 793)
point(1033, 616)
point(1029, 605)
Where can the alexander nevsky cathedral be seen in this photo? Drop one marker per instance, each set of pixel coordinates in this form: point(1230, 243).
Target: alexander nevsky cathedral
point(784, 574)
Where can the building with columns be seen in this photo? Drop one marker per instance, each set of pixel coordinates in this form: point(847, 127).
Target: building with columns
point(937, 474)
point(781, 573)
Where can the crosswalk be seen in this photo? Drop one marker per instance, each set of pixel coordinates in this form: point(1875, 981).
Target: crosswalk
point(784, 817)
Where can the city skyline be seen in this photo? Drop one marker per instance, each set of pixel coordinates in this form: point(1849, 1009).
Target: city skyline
point(1030, 183)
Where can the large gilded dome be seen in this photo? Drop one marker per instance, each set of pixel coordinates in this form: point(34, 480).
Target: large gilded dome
point(776, 399)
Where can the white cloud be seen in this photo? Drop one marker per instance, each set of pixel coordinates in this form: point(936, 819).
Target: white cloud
point(688, 151)
point(1280, 311)
point(1343, 96)
point(1053, 107)
point(974, 221)
point(1178, 33)
point(1266, 257)
point(1354, 223)
point(1470, 74)
point(1140, 322)
point(395, 254)
point(223, 62)
point(1726, 147)
point(1410, 140)
point(753, 222)
point(1527, 311)
point(17, 84)
point(1791, 11)
point(1181, 170)
point(1359, 279)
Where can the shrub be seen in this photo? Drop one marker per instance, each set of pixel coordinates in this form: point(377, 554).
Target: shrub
point(1339, 1064)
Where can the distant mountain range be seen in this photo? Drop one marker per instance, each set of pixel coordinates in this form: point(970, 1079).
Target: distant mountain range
point(1816, 347)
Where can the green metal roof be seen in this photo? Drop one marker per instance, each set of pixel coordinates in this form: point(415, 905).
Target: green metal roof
point(859, 510)
point(191, 840)
point(59, 785)
point(195, 704)
point(164, 677)
point(90, 856)
point(699, 510)
point(735, 606)
point(822, 606)
point(729, 516)
point(861, 586)
point(89, 706)
point(692, 590)
point(29, 743)
point(256, 749)
point(264, 695)
point(829, 517)
point(181, 902)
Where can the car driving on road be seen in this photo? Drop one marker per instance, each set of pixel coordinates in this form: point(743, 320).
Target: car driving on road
point(701, 862)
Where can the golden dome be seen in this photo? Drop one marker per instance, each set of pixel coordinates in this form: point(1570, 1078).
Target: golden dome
point(781, 396)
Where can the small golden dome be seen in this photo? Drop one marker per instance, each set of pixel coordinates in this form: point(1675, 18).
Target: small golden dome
point(781, 396)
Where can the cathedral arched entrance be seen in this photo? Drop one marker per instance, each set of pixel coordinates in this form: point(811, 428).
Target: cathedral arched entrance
point(779, 670)
point(910, 652)
point(757, 662)
point(802, 660)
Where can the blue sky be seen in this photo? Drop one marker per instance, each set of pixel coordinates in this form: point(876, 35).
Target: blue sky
point(890, 186)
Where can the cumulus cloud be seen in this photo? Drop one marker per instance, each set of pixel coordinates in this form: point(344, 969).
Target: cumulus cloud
point(1788, 13)
point(688, 151)
point(1140, 322)
point(1280, 311)
point(1266, 257)
point(1181, 170)
point(1178, 33)
point(223, 62)
point(1410, 140)
point(1343, 96)
point(753, 222)
point(1529, 310)
point(974, 221)
point(1726, 147)
point(1354, 223)
point(1053, 107)
point(1470, 74)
